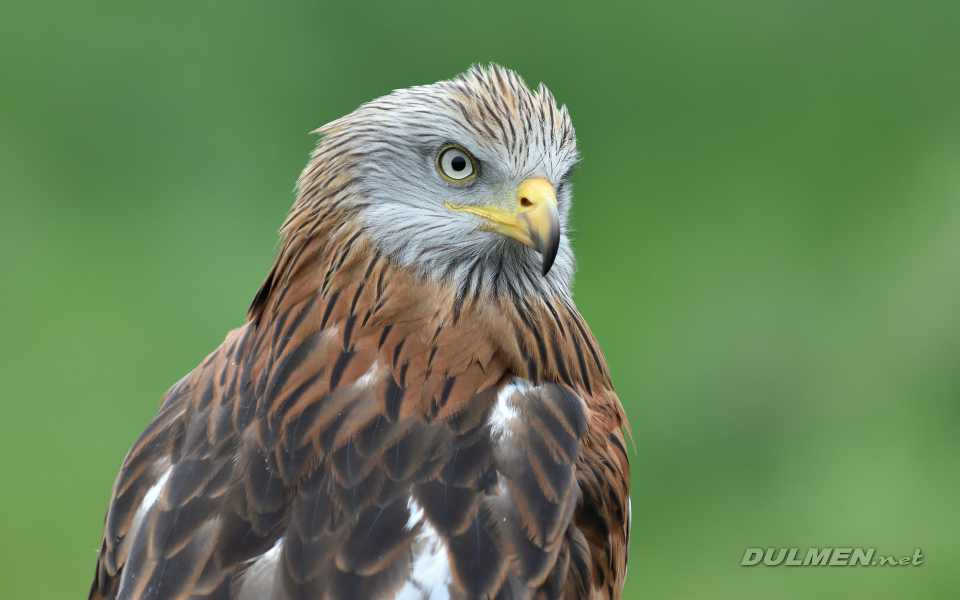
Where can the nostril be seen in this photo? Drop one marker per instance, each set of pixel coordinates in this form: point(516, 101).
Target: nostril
point(525, 202)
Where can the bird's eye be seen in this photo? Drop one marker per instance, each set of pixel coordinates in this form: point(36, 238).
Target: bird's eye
point(455, 164)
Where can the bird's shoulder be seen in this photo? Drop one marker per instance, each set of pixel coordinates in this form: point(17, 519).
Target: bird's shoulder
point(361, 442)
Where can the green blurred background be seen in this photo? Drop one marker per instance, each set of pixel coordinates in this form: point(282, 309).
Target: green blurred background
point(768, 235)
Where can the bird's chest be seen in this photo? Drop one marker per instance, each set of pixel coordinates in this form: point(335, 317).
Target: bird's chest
point(499, 510)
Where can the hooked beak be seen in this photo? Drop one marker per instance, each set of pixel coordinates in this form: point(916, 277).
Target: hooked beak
point(534, 222)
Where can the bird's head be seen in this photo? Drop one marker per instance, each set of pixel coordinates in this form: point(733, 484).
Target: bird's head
point(465, 181)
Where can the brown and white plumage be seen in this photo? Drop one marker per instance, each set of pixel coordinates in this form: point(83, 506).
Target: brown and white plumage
point(412, 409)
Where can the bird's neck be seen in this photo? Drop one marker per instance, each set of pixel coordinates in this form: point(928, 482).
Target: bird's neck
point(541, 338)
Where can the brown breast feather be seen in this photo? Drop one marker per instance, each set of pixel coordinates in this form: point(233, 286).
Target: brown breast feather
point(355, 393)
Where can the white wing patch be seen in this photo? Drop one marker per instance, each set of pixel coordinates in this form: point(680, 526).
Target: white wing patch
point(151, 497)
point(430, 575)
point(149, 500)
point(504, 412)
point(416, 514)
point(258, 580)
point(367, 377)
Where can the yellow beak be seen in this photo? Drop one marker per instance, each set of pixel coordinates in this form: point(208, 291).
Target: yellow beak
point(534, 222)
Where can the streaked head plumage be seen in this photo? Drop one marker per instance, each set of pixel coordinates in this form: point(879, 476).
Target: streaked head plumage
point(430, 171)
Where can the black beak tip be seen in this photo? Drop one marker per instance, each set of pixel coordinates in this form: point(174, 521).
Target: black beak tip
point(549, 251)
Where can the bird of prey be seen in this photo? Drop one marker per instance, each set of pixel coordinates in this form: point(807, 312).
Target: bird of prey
point(414, 407)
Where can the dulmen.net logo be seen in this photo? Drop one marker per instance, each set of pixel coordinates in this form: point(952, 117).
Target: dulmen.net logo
point(826, 557)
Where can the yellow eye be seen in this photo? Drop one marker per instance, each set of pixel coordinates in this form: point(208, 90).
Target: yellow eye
point(455, 164)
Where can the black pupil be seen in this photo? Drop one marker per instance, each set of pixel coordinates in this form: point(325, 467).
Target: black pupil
point(458, 163)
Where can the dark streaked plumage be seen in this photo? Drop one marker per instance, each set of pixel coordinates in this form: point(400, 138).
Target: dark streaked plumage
point(387, 425)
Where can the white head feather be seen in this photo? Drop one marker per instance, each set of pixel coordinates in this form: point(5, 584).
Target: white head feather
point(391, 146)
